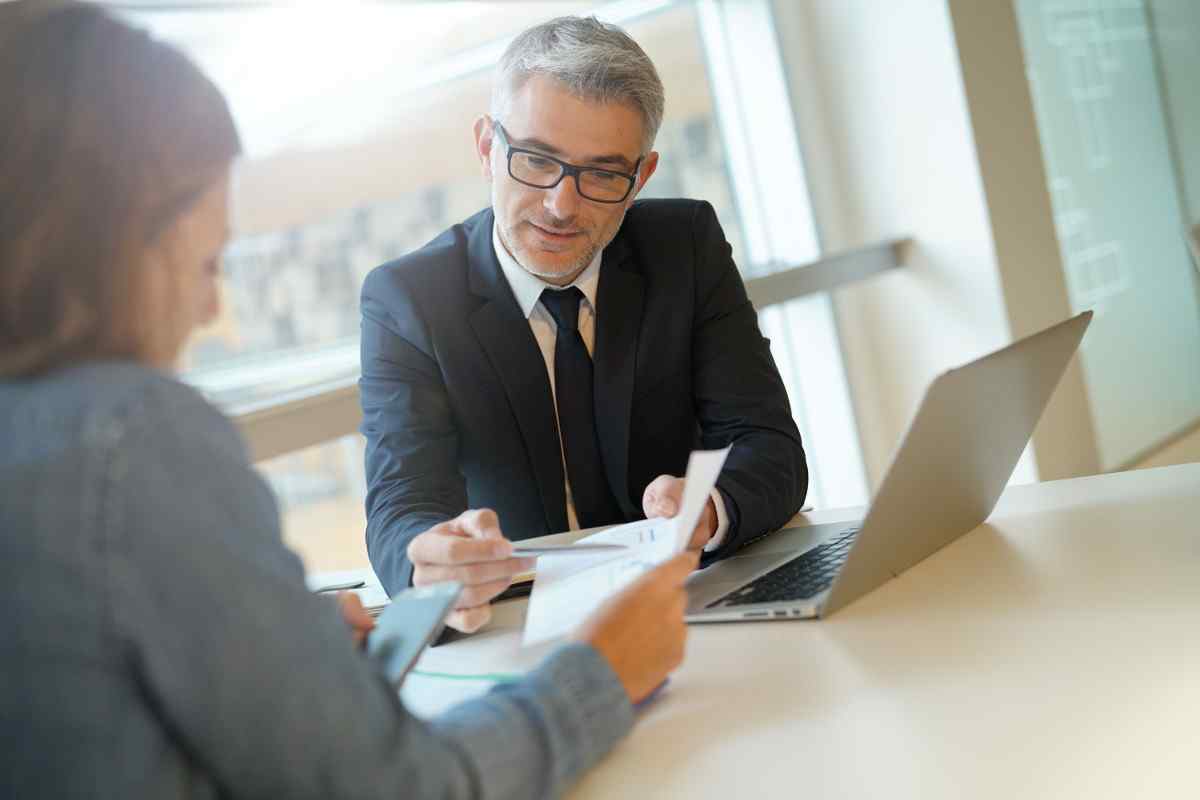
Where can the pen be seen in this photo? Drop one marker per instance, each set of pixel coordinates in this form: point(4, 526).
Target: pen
point(563, 549)
point(337, 587)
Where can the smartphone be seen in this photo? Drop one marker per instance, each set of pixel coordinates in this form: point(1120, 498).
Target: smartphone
point(407, 625)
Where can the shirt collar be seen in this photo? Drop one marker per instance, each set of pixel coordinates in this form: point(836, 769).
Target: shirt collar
point(528, 288)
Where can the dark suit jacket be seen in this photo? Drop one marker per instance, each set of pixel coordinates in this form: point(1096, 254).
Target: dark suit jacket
point(457, 408)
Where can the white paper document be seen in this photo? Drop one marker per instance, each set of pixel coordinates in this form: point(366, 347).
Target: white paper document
point(568, 588)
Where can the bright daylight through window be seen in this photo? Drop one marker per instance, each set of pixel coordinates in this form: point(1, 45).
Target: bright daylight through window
point(357, 131)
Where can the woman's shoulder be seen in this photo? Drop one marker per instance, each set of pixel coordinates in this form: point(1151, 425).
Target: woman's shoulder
point(106, 401)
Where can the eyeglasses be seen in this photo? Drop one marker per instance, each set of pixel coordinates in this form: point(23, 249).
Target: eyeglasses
point(545, 172)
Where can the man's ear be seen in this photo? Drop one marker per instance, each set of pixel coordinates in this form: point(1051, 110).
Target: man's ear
point(649, 164)
point(484, 139)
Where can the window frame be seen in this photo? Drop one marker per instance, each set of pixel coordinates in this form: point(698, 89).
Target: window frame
point(787, 276)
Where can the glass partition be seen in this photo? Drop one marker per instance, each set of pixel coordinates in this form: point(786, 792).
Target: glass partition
point(1117, 113)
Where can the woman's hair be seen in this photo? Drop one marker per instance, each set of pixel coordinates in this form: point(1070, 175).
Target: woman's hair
point(106, 138)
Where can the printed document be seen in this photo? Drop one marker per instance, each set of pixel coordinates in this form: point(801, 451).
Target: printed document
point(568, 588)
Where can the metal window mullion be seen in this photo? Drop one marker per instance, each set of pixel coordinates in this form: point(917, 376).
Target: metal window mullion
point(727, 105)
point(755, 117)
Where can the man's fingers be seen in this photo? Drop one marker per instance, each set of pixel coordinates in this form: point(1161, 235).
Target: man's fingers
point(481, 523)
point(469, 620)
point(437, 547)
point(472, 537)
point(662, 496)
point(471, 574)
point(472, 596)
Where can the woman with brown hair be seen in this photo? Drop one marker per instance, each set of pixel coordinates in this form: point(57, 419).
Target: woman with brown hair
point(157, 639)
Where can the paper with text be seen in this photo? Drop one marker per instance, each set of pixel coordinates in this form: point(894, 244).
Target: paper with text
point(569, 588)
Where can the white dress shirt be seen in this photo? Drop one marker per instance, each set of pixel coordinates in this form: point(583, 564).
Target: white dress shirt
point(528, 290)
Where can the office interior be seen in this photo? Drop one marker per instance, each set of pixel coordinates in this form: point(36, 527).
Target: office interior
point(1013, 162)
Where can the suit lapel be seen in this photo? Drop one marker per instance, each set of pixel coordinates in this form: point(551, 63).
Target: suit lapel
point(619, 298)
point(504, 333)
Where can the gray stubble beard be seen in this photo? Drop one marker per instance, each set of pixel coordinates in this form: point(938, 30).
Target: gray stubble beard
point(509, 239)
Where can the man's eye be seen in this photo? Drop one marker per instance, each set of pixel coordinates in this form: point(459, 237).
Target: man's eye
point(604, 177)
point(537, 162)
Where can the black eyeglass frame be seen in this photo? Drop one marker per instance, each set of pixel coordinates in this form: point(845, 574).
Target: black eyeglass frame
point(566, 169)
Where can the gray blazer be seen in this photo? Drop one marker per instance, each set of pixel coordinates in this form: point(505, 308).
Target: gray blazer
point(157, 639)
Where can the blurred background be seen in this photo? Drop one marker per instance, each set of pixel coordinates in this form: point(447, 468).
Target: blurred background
point(1039, 157)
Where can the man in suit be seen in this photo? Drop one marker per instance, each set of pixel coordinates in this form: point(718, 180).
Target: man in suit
point(549, 363)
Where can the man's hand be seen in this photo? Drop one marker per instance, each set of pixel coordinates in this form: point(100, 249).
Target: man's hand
point(662, 499)
point(469, 549)
point(355, 616)
point(641, 632)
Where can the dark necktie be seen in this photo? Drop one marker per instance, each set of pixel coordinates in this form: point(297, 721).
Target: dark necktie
point(594, 503)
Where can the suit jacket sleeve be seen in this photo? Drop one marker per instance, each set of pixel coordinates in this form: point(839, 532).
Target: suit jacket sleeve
point(412, 444)
point(740, 398)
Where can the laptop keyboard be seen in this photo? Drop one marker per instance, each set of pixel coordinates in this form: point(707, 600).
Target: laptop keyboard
point(805, 575)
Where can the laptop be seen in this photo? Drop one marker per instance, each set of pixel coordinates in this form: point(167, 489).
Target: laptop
point(944, 481)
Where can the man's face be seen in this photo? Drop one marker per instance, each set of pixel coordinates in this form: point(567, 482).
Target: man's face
point(555, 233)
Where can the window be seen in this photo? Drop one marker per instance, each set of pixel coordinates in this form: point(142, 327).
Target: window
point(321, 491)
point(1111, 85)
point(358, 153)
point(357, 125)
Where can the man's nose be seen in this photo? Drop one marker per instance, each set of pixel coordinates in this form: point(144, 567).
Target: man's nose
point(563, 200)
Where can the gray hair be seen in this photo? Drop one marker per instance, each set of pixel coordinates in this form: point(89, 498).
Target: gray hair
point(593, 59)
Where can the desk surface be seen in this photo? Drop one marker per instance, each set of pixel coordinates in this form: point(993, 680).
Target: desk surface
point(1052, 652)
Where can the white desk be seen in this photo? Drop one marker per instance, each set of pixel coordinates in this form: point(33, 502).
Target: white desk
point(1054, 652)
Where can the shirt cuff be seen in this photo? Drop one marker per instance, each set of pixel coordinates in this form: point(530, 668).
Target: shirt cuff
point(718, 538)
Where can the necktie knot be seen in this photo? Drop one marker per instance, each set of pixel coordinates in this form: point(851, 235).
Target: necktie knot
point(563, 305)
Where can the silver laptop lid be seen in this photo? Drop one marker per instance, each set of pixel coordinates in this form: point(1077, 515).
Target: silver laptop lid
point(957, 457)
